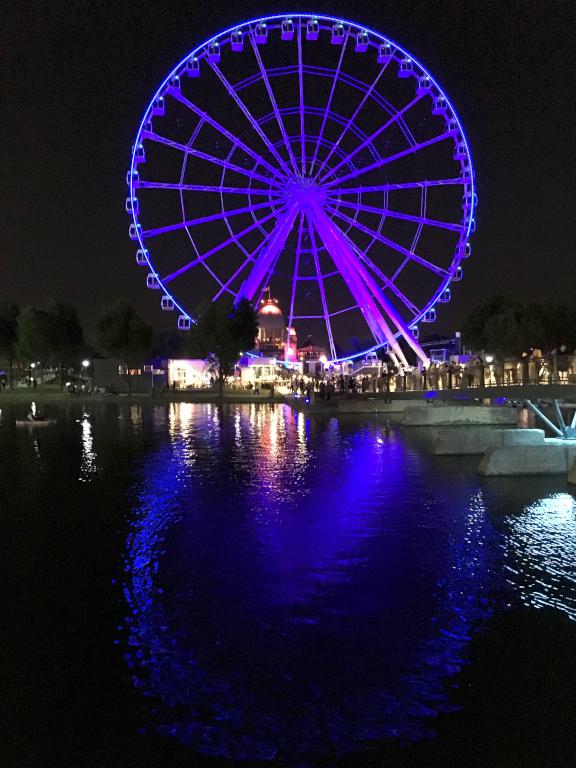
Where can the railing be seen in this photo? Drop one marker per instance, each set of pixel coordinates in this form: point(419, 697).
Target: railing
point(552, 370)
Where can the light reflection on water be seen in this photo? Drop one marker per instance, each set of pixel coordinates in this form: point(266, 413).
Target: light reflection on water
point(294, 585)
point(88, 466)
point(298, 587)
point(541, 553)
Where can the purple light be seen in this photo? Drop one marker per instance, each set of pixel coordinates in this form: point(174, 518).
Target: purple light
point(390, 243)
point(371, 138)
point(216, 249)
point(228, 134)
point(404, 216)
point(267, 259)
point(389, 159)
point(209, 158)
point(273, 102)
point(204, 220)
point(309, 189)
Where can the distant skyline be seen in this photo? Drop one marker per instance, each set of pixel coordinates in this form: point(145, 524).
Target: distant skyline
point(76, 78)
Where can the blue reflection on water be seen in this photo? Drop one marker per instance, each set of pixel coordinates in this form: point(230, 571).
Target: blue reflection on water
point(298, 587)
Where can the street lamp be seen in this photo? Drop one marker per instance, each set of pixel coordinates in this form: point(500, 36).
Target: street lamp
point(85, 364)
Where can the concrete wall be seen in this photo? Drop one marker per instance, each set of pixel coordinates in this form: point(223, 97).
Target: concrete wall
point(378, 405)
point(439, 415)
point(555, 457)
point(454, 441)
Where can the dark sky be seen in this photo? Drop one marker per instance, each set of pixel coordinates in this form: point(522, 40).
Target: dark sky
point(75, 78)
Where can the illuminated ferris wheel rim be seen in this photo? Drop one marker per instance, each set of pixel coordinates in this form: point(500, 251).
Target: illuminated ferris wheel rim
point(278, 177)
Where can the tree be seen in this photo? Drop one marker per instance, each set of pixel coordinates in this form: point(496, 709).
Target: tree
point(122, 333)
point(67, 337)
point(169, 344)
point(9, 312)
point(35, 336)
point(474, 328)
point(222, 333)
point(508, 327)
point(512, 331)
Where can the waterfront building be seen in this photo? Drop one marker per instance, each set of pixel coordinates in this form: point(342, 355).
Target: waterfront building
point(274, 338)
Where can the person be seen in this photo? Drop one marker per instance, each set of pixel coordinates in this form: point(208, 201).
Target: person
point(480, 368)
point(34, 384)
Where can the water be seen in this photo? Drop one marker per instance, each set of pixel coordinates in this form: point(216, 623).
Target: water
point(253, 584)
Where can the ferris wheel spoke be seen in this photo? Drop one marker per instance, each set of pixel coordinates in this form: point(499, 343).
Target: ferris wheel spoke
point(390, 158)
point(390, 243)
point(204, 219)
point(405, 185)
point(350, 122)
point(250, 117)
point(301, 90)
point(387, 281)
point(368, 288)
point(329, 103)
point(269, 256)
point(349, 267)
point(230, 241)
point(236, 141)
point(247, 191)
point(249, 258)
point(369, 139)
point(208, 158)
point(403, 216)
point(322, 289)
point(273, 102)
point(295, 277)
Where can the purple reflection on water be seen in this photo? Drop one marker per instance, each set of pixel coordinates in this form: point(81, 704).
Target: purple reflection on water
point(296, 587)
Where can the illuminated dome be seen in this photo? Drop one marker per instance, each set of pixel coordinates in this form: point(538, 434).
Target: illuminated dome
point(271, 327)
point(269, 308)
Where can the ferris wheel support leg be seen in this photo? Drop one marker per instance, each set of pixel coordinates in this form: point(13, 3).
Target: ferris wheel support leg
point(267, 258)
point(345, 263)
point(364, 288)
point(393, 315)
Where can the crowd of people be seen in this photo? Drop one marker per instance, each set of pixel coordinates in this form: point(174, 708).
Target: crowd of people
point(472, 372)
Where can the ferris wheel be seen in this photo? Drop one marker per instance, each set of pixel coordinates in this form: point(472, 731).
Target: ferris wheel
point(314, 157)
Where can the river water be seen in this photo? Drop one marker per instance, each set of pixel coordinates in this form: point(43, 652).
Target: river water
point(254, 584)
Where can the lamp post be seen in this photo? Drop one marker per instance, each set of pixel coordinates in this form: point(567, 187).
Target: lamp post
point(86, 367)
point(490, 359)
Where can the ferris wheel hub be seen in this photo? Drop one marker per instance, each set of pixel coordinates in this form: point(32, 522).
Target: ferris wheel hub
point(305, 192)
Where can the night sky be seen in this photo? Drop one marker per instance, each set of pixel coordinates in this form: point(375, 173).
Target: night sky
point(76, 77)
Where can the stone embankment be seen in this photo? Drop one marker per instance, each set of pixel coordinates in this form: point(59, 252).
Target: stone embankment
point(379, 405)
point(470, 442)
point(510, 451)
point(553, 457)
point(459, 415)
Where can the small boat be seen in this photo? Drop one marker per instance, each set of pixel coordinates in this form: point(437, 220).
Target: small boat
point(35, 422)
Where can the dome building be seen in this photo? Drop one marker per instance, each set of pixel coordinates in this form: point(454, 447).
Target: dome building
point(273, 339)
